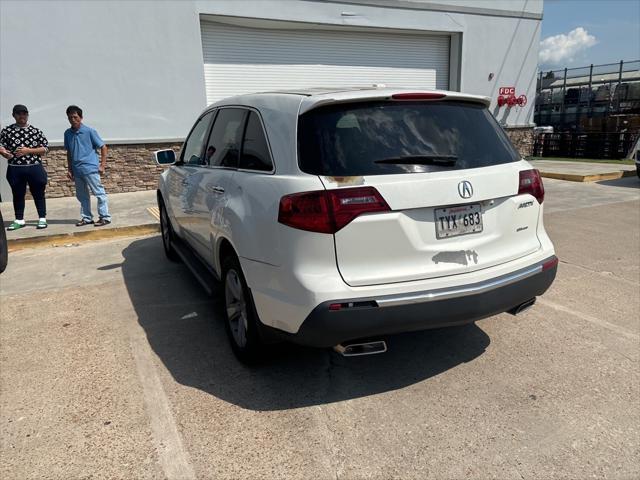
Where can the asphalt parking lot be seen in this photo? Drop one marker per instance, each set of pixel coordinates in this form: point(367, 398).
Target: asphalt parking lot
point(115, 364)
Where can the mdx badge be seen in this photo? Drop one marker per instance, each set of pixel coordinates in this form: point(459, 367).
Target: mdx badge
point(465, 189)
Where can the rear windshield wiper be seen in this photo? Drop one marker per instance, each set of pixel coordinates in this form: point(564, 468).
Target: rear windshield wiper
point(421, 160)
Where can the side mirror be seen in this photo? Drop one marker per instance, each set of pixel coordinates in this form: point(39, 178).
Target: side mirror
point(165, 157)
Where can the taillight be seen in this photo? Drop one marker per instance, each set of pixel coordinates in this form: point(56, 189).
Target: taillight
point(417, 96)
point(327, 211)
point(531, 182)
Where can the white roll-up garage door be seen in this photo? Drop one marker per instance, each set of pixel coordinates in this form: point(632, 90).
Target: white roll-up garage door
point(243, 60)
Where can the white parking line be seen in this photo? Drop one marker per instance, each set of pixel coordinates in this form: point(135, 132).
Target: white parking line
point(172, 455)
point(583, 316)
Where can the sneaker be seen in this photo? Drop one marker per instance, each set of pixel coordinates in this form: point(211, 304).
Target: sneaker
point(102, 222)
point(15, 226)
point(42, 223)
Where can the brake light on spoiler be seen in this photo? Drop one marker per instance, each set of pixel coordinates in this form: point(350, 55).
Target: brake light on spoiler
point(327, 211)
point(417, 96)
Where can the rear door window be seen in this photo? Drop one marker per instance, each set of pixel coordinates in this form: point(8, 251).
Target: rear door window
point(223, 148)
point(255, 149)
point(377, 138)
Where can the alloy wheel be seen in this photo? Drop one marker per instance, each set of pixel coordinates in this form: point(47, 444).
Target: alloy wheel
point(236, 306)
point(164, 227)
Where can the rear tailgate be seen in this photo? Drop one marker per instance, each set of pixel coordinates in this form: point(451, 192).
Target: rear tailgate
point(403, 245)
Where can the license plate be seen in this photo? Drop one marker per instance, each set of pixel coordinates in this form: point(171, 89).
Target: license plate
point(459, 220)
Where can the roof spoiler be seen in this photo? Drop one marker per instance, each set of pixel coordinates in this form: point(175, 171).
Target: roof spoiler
point(313, 102)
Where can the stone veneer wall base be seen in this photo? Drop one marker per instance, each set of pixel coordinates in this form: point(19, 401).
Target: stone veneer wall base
point(522, 138)
point(130, 168)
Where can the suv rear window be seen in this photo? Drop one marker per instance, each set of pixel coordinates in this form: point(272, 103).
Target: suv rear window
point(400, 137)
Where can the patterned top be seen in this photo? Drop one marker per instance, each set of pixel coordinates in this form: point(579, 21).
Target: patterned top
point(13, 137)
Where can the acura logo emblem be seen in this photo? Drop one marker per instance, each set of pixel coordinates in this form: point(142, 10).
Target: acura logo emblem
point(465, 189)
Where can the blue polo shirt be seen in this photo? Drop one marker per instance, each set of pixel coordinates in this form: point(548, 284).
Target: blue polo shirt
point(81, 145)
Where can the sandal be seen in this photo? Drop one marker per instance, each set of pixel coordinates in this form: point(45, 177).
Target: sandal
point(102, 222)
point(16, 226)
point(84, 222)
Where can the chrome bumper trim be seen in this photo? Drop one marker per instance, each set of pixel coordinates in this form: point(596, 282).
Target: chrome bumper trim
point(462, 291)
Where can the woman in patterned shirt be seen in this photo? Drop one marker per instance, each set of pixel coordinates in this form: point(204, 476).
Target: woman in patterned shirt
point(23, 144)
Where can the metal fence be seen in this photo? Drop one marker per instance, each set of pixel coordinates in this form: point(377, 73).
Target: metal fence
point(592, 73)
point(612, 146)
point(601, 98)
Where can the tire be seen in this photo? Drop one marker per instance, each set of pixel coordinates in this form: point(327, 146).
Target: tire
point(4, 256)
point(638, 170)
point(241, 318)
point(168, 235)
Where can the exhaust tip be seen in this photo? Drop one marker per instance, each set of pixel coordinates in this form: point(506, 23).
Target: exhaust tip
point(358, 349)
point(523, 306)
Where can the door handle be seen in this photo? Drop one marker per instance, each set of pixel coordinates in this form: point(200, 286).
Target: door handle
point(216, 189)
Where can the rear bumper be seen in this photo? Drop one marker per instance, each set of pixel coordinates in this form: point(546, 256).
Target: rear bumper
point(328, 324)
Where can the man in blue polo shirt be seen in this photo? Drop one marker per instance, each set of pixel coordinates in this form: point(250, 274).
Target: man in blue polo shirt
point(81, 143)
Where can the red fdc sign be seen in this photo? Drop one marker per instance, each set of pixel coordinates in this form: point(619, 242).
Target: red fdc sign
point(507, 91)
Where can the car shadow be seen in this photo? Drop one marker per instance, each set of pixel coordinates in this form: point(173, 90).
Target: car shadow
point(185, 329)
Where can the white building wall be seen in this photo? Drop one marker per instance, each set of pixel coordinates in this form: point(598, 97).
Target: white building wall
point(503, 7)
point(136, 67)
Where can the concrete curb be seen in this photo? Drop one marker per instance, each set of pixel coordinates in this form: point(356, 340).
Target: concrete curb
point(74, 237)
point(570, 177)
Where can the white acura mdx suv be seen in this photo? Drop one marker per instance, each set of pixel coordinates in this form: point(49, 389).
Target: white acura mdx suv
point(332, 216)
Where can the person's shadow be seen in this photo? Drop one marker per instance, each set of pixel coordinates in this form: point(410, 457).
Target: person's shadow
point(185, 329)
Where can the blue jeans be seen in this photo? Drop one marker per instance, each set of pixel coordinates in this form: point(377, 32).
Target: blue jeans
point(85, 185)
